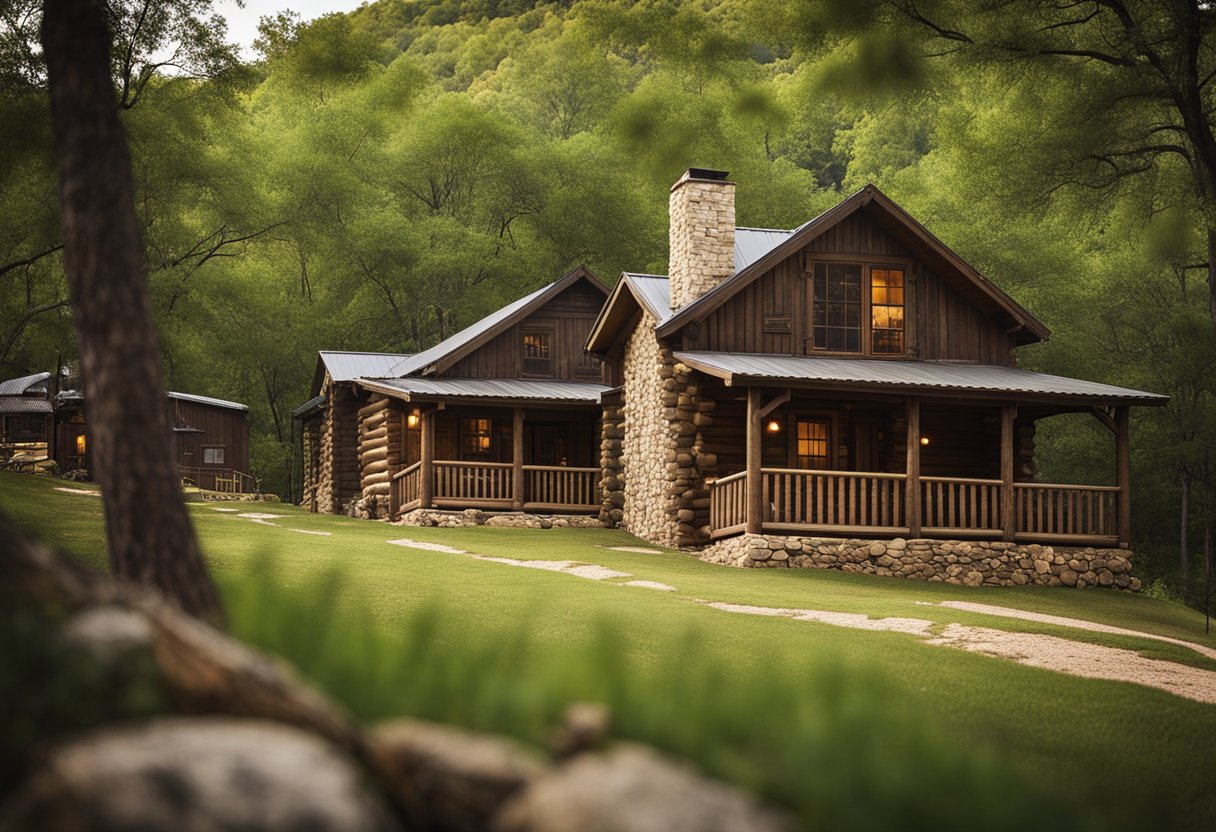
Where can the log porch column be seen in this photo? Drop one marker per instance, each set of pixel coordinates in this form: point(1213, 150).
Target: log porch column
point(517, 458)
point(1123, 475)
point(912, 483)
point(426, 458)
point(1008, 412)
point(755, 484)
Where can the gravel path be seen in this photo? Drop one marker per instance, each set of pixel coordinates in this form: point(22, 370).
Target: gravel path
point(1078, 623)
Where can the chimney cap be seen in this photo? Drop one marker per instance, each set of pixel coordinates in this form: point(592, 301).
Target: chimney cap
point(703, 175)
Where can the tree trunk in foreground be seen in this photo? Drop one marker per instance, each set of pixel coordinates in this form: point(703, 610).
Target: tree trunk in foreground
point(151, 540)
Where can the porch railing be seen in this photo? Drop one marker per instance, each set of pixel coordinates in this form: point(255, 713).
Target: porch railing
point(833, 500)
point(491, 485)
point(1059, 512)
point(843, 503)
point(555, 487)
point(220, 480)
point(960, 507)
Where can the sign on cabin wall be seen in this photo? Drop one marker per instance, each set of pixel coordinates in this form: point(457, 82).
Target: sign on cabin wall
point(777, 324)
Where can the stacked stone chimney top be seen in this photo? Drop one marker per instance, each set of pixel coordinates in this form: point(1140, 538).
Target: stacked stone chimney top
point(701, 234)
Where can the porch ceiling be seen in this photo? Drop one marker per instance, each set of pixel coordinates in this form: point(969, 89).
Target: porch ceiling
point(979, 380)
point(486, 390)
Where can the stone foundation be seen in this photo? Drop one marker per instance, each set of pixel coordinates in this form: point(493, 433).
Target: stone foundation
point(969, 563)
point(502, 519)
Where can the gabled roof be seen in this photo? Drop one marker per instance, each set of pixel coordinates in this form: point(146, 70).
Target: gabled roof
point(25, 384)
point(753, 243)
point(631, 293)
point(348, 366)
point(190, 397)
point(896, 222)
point(447, 352)
point(910, 376)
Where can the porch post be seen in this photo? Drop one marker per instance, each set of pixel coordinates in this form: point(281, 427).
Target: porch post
point(912, 483)
point(1123, 475)
point(427, 457)
point(755, 483)
point(1008, 412)
point(517, 459)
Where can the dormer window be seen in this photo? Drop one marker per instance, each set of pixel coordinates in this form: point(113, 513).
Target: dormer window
point(857, 308)
point(538, 352)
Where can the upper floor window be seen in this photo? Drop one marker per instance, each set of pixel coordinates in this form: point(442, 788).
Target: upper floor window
point(844, 318)
point(538, 352)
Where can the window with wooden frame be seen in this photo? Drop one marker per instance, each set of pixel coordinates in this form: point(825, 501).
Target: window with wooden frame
point(813, 443)
point(587, 364)
point(213, 454)
point(476, 438)
point(538, 352)
point(857, 308)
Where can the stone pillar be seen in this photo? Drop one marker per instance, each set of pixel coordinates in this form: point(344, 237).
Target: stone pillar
point(612, 474)
point(701, 234)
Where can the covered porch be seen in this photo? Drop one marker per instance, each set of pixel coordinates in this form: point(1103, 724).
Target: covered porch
point(469, 444)
point(949, 455)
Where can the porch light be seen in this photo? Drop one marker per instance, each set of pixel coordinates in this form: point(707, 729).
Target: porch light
point(774, 426)
point(80, 444)
point(411, 421)
point(924, 440)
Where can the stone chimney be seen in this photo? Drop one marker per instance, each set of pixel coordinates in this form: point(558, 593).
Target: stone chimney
point(701, 234)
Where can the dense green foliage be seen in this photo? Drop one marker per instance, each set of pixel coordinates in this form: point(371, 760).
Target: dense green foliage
point(851, 729)
point(378, 180)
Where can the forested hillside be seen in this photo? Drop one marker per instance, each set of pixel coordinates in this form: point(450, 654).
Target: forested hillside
point(377, 180)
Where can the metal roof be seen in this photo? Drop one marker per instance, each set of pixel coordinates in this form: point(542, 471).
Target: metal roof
point(348, 366)
point(24, 384)
point(572, 392)
point(919, 375)
point(190, 397)
point(24, 404)
point(491, 324)
point(309, 407)
point(653, 291)
point(753, 243)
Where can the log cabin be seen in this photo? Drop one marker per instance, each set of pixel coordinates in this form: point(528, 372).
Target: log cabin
point(210, 436)
point(851, 378)
point(501, 416)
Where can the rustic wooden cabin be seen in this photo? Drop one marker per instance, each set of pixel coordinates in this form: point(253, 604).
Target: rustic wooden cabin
point(503, 415)
point(210, 439)
point(329, 427)
point(25, 410)
point(210, 436)
point(852, 377)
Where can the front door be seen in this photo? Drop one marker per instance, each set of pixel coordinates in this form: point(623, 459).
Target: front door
point(550, 443)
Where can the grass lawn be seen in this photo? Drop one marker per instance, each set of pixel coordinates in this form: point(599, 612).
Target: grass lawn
point(805, 712)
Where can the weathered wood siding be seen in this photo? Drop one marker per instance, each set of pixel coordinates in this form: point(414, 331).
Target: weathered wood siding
point(570, 316)
point(941, 324)
point(222, 427)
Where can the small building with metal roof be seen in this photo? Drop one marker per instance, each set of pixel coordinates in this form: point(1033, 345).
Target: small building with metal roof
point(502, 415)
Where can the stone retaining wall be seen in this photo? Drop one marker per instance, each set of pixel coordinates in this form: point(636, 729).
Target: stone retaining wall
point(508, 519)
point(970, 563)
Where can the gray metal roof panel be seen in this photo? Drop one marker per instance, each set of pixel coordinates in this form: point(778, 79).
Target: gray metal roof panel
point(190, 397)
point(348, 366)
point(22, 385)
point(575, 392)
point(653, 292)
point(24, 404)
point(921, 374)
point(753, 243)
point(308, 407)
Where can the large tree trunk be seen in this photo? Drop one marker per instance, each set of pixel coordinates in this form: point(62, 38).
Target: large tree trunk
point(151, 540)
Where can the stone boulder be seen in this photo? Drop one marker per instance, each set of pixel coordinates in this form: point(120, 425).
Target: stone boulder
point(633, 789)
point(447, 778)
point(197, 775)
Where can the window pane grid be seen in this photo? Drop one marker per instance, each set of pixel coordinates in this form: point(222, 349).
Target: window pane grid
point(887, 311)
point(812, 444)
point(836, 322)
point(476, 437)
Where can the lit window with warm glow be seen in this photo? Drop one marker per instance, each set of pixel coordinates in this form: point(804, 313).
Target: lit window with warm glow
point(813, 442)
point(80, 445)
point(477, 437)
point(538, 352)
point(886, 311)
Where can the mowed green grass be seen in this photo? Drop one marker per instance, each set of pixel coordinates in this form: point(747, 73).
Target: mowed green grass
point(1098, 743)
